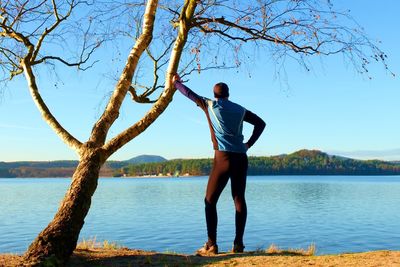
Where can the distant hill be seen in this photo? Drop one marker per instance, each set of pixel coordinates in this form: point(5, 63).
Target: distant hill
point(40, 164)
point(145, 159)
point(65, 168)
point(302, 162)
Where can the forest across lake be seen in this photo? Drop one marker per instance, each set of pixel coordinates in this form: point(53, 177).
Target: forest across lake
point(303, 162)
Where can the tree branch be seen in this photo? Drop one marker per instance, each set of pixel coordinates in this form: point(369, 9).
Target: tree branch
point(139, 98)
point(111, 112)
point(71, 64)
point(47, 31)
point(163, 101)
point(44, 110)
point(253, 33)
point(143, 98)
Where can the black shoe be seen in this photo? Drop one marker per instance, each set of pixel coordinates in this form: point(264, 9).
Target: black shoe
point(207, 250)
point(238, 248)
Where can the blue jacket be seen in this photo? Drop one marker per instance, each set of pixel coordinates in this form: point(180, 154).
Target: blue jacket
point(225, 120)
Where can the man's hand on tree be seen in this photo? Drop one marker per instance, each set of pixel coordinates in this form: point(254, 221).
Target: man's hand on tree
point(176, 78)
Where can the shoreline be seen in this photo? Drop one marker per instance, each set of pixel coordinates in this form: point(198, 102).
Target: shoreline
point(131, 257)
point(190, 176)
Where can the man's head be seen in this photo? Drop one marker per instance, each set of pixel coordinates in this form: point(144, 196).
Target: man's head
point(221, 90)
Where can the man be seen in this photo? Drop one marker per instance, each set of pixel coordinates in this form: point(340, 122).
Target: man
point(225, 120)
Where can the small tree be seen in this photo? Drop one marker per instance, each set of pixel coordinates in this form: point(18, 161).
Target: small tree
point(217, 32)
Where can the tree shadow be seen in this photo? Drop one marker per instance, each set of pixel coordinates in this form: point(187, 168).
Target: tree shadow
point(119, 258)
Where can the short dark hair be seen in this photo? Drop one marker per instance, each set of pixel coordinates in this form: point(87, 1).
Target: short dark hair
point(221, 90)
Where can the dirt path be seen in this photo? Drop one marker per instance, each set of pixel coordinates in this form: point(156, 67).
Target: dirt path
point(126, 257)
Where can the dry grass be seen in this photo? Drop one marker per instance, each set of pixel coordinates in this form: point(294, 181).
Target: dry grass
point(9, 260)
point(278, 258)
point(91, 253)
point(275, 250)
point(126, 257)
point(92, 243)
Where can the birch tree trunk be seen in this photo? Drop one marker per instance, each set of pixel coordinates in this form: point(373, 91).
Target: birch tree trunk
point(55, 244)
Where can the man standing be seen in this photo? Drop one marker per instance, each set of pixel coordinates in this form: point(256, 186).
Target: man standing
point(225, 120)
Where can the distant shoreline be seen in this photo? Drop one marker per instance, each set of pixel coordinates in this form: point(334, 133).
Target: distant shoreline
point(302, 162)
point(193, 176)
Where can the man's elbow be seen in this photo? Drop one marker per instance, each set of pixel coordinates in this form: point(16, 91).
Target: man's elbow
point(262, 125)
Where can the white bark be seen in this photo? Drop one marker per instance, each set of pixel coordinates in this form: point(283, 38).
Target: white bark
point(47, 116)
point(111, 112)
point(162, 103)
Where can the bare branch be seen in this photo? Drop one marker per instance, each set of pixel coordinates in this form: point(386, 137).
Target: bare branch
point(149, 90)
point(254, 34)
point(55, 10)
point(211, 67)
point(163, 101)
point(141, 98)
point(302, 27)
point(78, 63)
point(11, 33)
point(111, 112)
point(47, 31)
point(17, 38)
point(157, 67)
point(44, 110)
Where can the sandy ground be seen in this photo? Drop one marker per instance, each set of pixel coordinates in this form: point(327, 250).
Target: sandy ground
point(126, 257)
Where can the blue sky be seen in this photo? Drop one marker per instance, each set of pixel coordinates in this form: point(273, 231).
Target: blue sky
point(331, 108)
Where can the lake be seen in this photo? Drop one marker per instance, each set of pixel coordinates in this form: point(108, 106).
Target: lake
point(337, 213)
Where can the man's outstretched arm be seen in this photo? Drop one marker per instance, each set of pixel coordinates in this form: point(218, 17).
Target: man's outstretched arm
point(186, 91)
point(259, 126)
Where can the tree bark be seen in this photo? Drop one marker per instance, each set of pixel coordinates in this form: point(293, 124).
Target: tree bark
point(47, 116)
point(163, 101)
point(111, 112)
point(55, 244)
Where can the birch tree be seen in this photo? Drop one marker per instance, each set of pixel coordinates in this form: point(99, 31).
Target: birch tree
point(174, 36)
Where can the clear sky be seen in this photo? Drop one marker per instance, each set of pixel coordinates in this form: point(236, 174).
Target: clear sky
point(331, 108)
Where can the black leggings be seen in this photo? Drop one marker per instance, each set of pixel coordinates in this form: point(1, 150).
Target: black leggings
point(227, 165)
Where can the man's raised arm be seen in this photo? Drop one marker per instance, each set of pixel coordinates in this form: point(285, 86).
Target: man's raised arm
point(186, 91)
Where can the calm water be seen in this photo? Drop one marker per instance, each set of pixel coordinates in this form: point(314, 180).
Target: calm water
point(337, 213)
